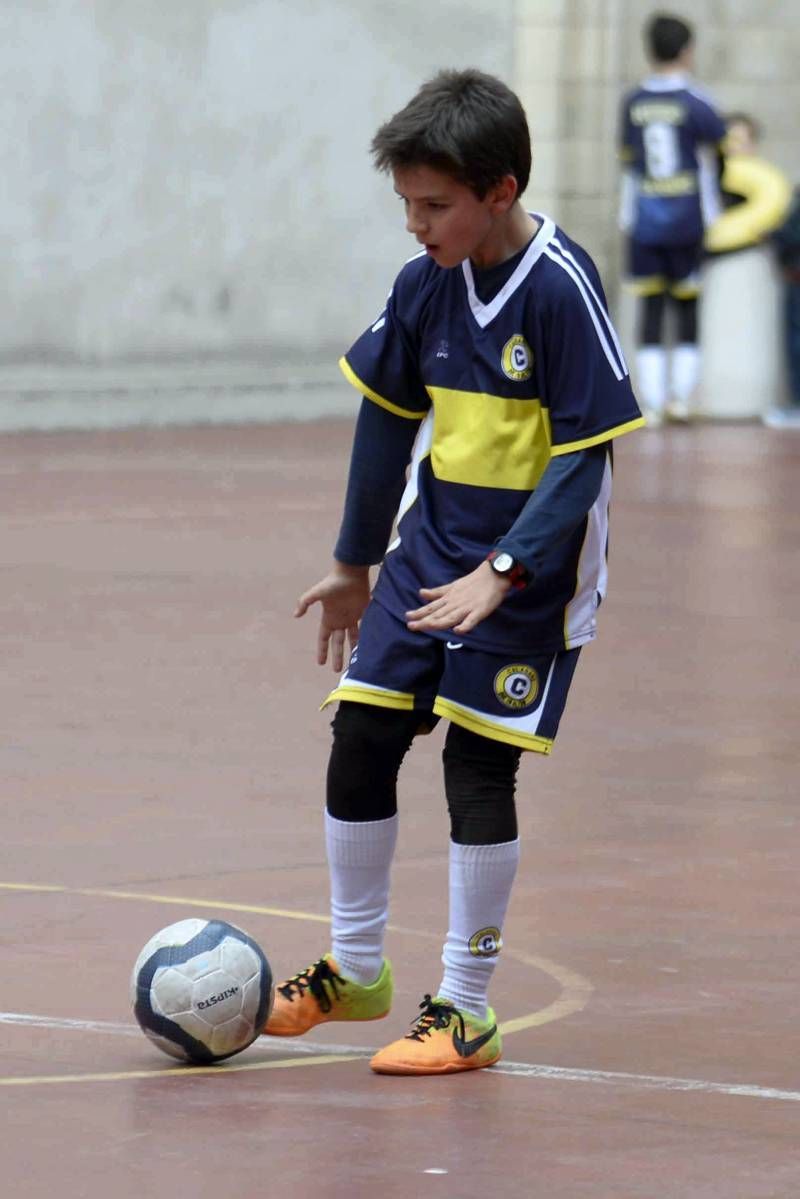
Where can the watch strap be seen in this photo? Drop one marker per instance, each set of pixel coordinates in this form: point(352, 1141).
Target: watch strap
point(517, 576)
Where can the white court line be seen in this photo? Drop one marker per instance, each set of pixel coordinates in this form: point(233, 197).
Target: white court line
point(639, 1082)
point(644, 1082)
point(107, 1026)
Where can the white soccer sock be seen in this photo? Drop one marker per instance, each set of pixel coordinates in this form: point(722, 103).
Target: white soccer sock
point(651, 377)
point(481, 878)
point(685, 372)
point(359, 861)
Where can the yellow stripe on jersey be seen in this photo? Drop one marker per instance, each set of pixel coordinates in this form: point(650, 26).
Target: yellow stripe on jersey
point(353, 378)
point(569, 447)
point(489, 441)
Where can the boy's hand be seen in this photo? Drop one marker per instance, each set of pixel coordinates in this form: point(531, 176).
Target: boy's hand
point(462, 604)
point(344, 595)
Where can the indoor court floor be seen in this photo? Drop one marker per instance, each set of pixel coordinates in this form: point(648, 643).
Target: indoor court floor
point(163, 756)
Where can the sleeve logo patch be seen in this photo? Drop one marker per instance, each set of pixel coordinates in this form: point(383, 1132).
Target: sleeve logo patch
point(517, 359)
point(516, 686)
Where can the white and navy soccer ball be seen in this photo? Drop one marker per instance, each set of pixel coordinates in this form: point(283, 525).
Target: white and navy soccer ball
point(201, 990)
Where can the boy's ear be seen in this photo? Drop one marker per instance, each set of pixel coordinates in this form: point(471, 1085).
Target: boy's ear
point(503, 194)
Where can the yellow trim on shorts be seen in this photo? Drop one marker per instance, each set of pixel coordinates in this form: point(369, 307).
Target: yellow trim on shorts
point(684, 291)
point(351, 377)
point(570, 446)
point(649, 285)
point(369, 695)
point(486, 728)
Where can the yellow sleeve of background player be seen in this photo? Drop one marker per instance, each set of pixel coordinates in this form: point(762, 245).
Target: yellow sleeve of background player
point(767, 196)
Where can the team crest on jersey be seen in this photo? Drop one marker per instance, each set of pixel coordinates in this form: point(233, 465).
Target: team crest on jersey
point(516, 686)
point(517, 359)
point(486, 943)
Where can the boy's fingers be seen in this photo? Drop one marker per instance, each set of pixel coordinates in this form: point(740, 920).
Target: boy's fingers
point(466, 625)
point(427, 609)
point(337, 649)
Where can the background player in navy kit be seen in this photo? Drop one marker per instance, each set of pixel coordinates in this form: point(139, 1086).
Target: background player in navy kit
point(669, 193)
point(495, 368)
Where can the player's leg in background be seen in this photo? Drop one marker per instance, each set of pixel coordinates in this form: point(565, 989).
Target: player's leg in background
point(792, 317)
point(651, 358)
point(647, 281)
point(685, 357)
point(785, 414)
point(682, 266)
point(354, 981)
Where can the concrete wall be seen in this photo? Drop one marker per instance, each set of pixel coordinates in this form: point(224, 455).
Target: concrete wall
point(188, 181)
point(192, 176)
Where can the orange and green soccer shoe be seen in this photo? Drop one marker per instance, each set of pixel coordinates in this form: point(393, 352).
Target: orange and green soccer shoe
point(319, 994)
point(442, 1040)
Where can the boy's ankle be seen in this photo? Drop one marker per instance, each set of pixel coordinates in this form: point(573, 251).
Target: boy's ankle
point(362, 971)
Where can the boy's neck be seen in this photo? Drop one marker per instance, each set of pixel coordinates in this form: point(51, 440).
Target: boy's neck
point(512, 234)
point(682, 65)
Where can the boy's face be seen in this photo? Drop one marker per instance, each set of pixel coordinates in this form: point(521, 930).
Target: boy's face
point(739, 138)
point(448, 219)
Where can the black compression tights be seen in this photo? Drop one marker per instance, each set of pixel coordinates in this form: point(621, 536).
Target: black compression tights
point(651, 320)
point(369, 745)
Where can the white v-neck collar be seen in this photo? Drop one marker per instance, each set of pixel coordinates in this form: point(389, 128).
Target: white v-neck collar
point(484, 313)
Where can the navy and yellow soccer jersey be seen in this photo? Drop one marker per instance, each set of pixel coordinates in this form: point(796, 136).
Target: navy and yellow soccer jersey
point(498, 388)
point(664, 123)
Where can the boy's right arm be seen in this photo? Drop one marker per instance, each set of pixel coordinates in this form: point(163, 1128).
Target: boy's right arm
point(344, 595)
point(381, 449)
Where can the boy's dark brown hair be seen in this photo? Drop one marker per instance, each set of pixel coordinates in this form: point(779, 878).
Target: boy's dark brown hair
point(467, 124)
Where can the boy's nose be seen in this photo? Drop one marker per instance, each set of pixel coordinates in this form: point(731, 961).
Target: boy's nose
point(414, 222)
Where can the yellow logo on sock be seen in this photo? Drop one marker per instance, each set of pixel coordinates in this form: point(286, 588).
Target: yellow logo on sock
point(486, 943)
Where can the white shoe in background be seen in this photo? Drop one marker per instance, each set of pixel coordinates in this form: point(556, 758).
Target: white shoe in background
point(782, 418)
point(653, 418)
point(679, 412)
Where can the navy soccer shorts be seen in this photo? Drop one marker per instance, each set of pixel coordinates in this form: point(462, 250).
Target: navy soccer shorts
point(518, 699)
point(656, 269)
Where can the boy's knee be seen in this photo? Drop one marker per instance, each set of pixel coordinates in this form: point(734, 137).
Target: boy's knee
point(480, 782)
point(369, 745)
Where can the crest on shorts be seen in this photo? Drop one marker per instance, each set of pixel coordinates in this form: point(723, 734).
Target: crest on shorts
point(516, 686)
point(486, 943)
point(517, 359)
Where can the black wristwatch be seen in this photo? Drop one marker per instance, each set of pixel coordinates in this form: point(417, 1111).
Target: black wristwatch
point(507, 566)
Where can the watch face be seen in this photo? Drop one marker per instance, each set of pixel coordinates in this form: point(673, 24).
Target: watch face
point(503, 563)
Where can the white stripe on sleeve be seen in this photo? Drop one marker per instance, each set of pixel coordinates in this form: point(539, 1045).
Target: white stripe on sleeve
point(555, 256)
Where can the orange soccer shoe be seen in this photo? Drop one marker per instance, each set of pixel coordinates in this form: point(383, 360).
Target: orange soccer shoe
point(319, 994)
point(442, 1040)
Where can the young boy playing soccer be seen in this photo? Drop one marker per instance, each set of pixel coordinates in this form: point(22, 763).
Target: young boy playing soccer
point(669, 194)
point(496, 363)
